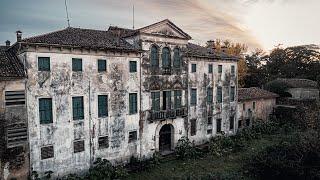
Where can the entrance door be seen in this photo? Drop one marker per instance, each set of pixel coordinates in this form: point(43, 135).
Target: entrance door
point(165, 137)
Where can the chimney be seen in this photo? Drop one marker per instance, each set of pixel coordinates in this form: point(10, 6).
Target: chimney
point(211, 44)
point(7, 43)
point(19, 35)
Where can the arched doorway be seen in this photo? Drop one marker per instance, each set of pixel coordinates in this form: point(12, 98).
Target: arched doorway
point(166, 138)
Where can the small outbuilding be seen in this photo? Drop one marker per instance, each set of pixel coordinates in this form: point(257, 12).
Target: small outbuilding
point(254, 104)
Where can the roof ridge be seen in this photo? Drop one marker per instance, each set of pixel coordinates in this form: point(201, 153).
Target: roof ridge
point(45, 34)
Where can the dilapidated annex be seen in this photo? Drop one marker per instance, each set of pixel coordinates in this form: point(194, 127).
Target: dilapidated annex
point(115, 94)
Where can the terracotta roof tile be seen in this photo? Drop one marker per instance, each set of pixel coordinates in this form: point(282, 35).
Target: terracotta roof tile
point(10, 65)
point(254, 93)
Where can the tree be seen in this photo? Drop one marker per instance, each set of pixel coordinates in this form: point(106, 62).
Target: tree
point(255, 76)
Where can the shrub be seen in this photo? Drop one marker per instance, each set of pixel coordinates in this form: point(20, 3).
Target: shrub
point(186, 150)
point(298, 157)
point(136, 165)
point(103, 169)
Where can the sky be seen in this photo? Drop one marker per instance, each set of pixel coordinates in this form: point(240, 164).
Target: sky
point(258, 23)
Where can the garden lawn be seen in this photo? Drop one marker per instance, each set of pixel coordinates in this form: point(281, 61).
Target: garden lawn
point(228, 166)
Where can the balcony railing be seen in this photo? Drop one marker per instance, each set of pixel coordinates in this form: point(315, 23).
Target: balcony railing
point(166, 70)
point(167, 114)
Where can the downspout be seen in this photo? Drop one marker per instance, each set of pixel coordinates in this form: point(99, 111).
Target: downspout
point(140, 106)
point(90, 130)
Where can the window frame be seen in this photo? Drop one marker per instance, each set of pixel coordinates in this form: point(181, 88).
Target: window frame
point(177, 98)
point(45, 110)
point(193, 98)
point(209, 95)
point(176, 58)
point(103, 113)
point(41, 61)
point(219, 95)
point(104, 69)
point(134, 138)
point(232, 93)
point(154, 56)
point(132, 103)
point(155, 101)
point(80, 115)
point(133, 66)
point(77, 67)
point(193, 68)
point(220, 68)
point(166, 57)
point(254, 105)
point(210, 69)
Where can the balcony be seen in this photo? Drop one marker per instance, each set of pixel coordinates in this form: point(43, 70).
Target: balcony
point(167, 114)
point(166, 70)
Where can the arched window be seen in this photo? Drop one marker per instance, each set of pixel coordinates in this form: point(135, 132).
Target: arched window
point(166, 57)
point(154, 56)
point(176, 58)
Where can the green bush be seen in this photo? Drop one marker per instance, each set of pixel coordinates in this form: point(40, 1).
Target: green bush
point(136, 165)
point(297, 157)
point(186, 150)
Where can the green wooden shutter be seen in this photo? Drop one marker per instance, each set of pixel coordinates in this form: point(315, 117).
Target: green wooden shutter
point(154, 57)
point(219, 94)
point(45, 110)
point(193, 97)
point(76, 64)
point(209, 95)
point(133, 103)
point(176, 58)
point(102, 106)
point(166, 57)
point(177, 99)
point(155, 96)
point(102, 65)
point(77, 105)
point(210, 70)
point(232, 69)
point(193, 67)
point(43, 63)
point(232, 93)
point(219, 68)
point(133, 66)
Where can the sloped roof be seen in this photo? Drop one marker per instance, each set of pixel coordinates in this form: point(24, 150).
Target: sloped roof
point(78, 37)
point(254, 93)
point(10, 65)
point(296, 83)
point(200, 51)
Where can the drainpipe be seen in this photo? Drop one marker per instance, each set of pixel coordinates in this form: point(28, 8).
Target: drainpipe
point(90, 130)
point(140, 106)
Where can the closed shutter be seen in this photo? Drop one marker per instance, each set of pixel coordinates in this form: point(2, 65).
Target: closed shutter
point(45, 110)
point(102, 105)
point(77, 105)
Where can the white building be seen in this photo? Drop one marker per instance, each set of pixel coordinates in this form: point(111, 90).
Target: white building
point(121, 93)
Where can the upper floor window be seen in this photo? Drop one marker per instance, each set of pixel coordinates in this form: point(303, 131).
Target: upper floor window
point(233, 69)
point(177, 99)
point(133, 104)
point(76, 64)
point(193, 68)
point(133, 136)
point(43, 63)
point(166, 57)
point(166, 100)
point(232, 93)
point(219, 94)
point(210, 69)
point(133, 66)
point(176, 58)
point(210, 95)
point(154, 56)
point(45, 110)
point(102, 65)
point(77, 108)
point(102, 105)
point(219, 68)
point(193, 97)
point(155, 96)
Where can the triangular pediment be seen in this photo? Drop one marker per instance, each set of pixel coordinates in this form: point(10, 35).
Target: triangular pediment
point(165, 28)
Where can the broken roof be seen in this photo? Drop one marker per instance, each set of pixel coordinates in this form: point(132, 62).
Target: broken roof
point(254, 93)
point(194, 50)
point(10, 65)
point(296, 83)
point(86, 38)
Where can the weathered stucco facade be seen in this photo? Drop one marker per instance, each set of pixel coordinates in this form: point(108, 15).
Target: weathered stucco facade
point(171, 97)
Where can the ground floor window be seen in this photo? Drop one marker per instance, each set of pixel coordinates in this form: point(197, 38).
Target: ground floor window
point(218, 126)
point(103, 142)
point(47, 152)
point(132, 136)
point(78, 146)
point(193, 128)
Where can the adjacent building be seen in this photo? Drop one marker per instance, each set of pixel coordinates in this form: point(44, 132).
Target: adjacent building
point(254, 104)
point(119, 93)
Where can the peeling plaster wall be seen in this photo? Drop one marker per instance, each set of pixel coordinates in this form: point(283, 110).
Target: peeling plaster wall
point(263, 108)
point(61, 84)
point(201, 80)
point(154, 80)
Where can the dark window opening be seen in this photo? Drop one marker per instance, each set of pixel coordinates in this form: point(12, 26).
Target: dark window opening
point(220, 69)
point(209, 121)
point(76, 64)
point(193, 128)
point(176, 58)
point(47, 152)
point(210, 95)
point(247, 122)
point(102, 65)
point(231, 123)
point(177, 99)
point(78, 146)
point(103, 142)
point(166, 100)
point(193, 68)
point(193, 97)
point(102, 106)
point(44, 63)
point(219, 126)
point(133, 66)
point(219, 94)
point(210, 68)
point(209, 131)
point(155, 96)
point(132, 136)
point(232, 93)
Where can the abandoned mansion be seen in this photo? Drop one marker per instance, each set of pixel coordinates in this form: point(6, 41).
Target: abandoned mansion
point(74, 95)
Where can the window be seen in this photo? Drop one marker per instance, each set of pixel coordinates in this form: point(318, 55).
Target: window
point(243, 106)
point(219, 94)
point(209, 121)
point(218, 126)
point(176, 58)
point(232, 69)
point(253, 105)
point(231, 127)
point(76, 64)
point(43, 63)
point(77, 108)
point(209, 95)
point(232, 93)
point(193, 68)
point(132, 136)
point(166, 100)
point(102, 106)
point(78, 146)
point(239, 123)
point(133, 103)
point(47, 152)
point(210, 69)
point(209, 131)
point(193, 128)
point(133, 66)
point(15, 98)
point(45, 110)
point(155, 96)
point(154, 56)
point(193, 97)
point(177, 99)
point(103, 142)
point(219, 68)
point(102, 65)
point(166, 57)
